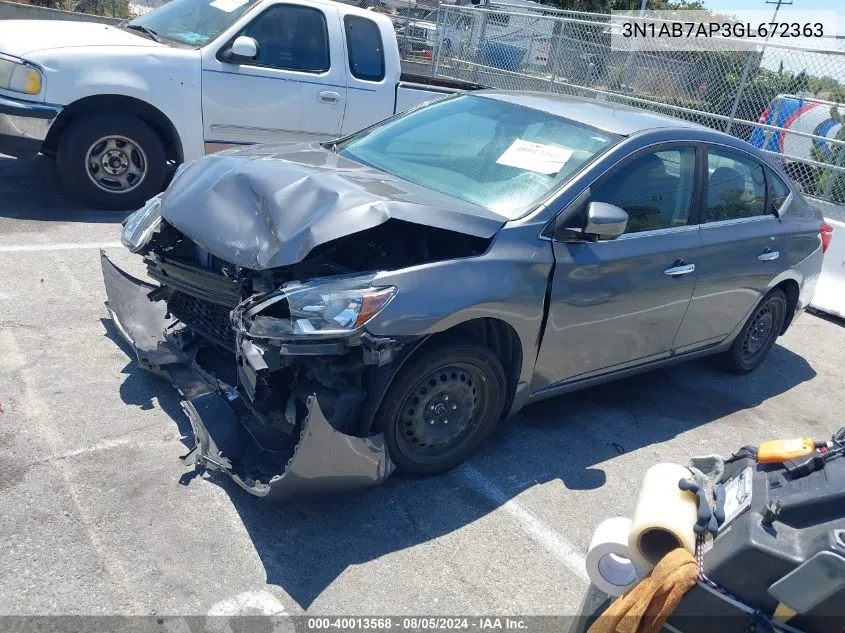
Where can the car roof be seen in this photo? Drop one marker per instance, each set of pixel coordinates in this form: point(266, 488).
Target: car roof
point(605, 116)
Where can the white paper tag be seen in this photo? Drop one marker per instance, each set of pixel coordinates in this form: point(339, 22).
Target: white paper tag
point(228, 5)
point(544, 159)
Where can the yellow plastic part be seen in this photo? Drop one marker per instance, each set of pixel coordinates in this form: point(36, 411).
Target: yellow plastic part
point(778, 451)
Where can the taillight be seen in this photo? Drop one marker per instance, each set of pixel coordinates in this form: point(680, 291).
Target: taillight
point(826, 233)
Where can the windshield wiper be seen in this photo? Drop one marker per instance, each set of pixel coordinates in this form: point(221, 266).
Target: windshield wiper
point(146, 31)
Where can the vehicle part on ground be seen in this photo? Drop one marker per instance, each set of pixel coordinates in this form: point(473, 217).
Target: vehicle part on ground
point(441, 406)
point(758, 335)
point(112, 161)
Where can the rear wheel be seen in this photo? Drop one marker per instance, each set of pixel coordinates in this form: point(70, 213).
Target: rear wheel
point(441, 407)
point(112, 162)
point(757, 336)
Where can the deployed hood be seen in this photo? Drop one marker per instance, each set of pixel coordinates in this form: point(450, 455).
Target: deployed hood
point(269, 206)
point(22, 37)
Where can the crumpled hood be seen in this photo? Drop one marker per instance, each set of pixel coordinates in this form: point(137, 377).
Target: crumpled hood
point(269, 206)
point(23, 37)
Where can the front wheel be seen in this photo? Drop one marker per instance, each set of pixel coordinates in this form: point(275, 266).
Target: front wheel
point(441, 406)
point(112, 162)
point(757, 336)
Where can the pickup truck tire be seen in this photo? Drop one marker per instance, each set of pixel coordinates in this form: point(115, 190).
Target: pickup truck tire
point(112, 162)
point(757, 336)
point(441, 406)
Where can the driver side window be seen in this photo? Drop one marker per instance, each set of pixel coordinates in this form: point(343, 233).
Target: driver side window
point(655, 189)
point(291, 37)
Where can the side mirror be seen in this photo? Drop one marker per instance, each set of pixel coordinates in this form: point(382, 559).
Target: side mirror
point(243, 49)
point(605, 221)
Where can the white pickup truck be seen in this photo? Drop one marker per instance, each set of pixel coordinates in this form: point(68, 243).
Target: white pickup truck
point(118, 106)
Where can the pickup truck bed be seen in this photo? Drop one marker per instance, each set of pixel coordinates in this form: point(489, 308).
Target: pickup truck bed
point(414, 89)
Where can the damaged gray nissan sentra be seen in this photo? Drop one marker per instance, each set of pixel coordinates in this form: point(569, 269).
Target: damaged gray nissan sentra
point(333, 311)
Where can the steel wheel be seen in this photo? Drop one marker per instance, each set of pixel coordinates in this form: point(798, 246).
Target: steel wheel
point(439, 412)
point(441, 406)
point(758, 334)
point(116, 164)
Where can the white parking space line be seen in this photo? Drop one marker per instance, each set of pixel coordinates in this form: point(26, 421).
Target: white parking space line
point(65, 246)
point(556, 544)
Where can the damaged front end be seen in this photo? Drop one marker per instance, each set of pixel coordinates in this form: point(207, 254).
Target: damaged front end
point(265, 265)
point(273, 443)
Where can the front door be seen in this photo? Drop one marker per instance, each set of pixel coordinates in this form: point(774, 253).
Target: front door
point(294, 90)
point(620, 302)
point(744, 248)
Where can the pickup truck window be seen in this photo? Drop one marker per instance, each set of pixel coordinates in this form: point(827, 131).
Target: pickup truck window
point(496, 154)
point(193, 22)
point(291, 37)
point(366, 51)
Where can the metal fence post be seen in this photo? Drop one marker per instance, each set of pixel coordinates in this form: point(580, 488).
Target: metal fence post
point(743, 82)
point(481, 38)
point(438, 46)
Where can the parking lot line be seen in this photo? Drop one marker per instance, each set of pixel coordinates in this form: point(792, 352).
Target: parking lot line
point(556, 544)
point(63, 246)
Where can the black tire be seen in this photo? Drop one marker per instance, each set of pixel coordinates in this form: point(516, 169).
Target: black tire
point(757, 336)
point(138, 150)
point(464, 380)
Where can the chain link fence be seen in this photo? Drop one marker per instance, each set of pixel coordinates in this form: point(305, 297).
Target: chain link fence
point(788, 101)
point(108, 8)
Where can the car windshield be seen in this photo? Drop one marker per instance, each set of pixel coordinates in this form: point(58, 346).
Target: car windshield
point(499, 155)
point(193, 22)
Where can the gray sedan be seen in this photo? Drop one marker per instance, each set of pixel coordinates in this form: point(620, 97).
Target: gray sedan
point(333, 312)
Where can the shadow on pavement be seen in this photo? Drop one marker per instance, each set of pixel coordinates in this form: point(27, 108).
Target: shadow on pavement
point(306, 545)
point(29, 189)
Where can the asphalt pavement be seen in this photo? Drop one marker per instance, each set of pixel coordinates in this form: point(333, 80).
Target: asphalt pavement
point(96, 516)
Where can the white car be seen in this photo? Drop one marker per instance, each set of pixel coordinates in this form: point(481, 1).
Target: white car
point(118, 105)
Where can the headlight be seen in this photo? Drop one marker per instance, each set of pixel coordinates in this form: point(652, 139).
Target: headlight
point(321, 308)
point(19, 76)
point(140, 226)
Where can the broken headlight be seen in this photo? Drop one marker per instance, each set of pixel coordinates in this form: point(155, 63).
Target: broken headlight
point(319, 308)
point(140, 226)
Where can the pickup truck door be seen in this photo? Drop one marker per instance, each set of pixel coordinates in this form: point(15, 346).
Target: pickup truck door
point(294, 90)
point(619, 303)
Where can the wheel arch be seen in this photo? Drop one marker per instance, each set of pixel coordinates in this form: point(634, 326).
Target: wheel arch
point(497, 334)
point(792, 291)
point(113, 104)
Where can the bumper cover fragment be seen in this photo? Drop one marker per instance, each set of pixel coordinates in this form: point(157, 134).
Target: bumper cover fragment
point(324, 460)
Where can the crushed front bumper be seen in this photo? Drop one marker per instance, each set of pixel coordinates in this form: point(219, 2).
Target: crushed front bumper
point(324, 460)
point(24, 125)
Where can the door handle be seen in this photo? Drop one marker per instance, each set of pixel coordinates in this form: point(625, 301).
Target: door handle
point(328, 96)
point(679, 269)
point(768, 256)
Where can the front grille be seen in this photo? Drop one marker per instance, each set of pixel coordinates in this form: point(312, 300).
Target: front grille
point(207, 318)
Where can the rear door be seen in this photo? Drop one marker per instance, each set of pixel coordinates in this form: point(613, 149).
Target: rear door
point(744, 247)
point(294, 90)
point(620, 302)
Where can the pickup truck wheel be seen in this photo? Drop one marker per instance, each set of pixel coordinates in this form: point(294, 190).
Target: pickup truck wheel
point(757, 336)
point(441, 406)
point(112, 162)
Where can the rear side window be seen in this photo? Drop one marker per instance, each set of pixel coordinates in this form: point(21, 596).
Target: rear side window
point(366, 52)
point(736, 187)
point(291, 37)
